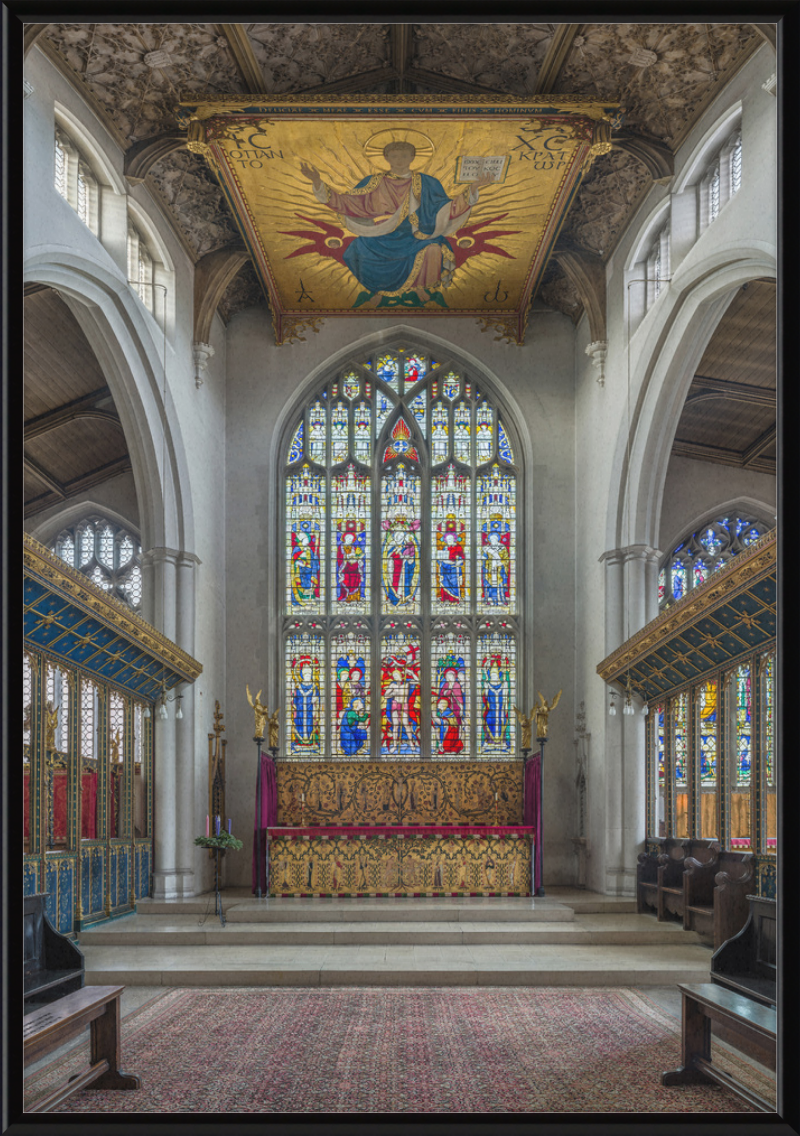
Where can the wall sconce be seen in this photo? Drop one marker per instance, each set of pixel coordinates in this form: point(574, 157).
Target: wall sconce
point(161, 704)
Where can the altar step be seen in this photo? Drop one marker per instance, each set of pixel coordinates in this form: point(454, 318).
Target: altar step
point(205, 929)
point(433, 942)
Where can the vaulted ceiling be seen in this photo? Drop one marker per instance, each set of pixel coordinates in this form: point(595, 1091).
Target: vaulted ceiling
point(664, 75)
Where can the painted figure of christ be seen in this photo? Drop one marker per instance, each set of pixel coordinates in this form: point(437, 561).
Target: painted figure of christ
point(406, 251)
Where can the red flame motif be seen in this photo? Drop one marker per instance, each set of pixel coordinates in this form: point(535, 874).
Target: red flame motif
point(331, 240)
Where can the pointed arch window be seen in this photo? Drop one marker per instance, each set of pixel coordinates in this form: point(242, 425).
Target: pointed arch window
point(702, 552)
point(400, 628)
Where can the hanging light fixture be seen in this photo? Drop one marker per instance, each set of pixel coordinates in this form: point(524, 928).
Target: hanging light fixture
point(612, 706)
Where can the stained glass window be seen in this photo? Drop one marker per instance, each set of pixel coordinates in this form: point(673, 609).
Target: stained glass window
point(743, 736)
point(679, 738)
point(708, 717)
point(88, 738)
point(107, 553)
point(702, 552)
point(769, 719)
point(660, 746)
point(27, 699)
point(399, 532)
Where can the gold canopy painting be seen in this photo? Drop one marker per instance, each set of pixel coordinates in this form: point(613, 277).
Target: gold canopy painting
point(430, 205)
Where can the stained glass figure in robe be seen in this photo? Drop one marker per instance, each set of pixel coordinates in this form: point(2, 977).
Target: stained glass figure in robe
point(461, 434)
point(306, 728)
point(484, 433)
point(439, 428)
point(400, 567)
point(339, 430)
point(451, 506)
point(679, 738)
point(317, 448)
point(743, 737)
point(708, 733)
point(304, 507)
point(351, 652)
point(383, 410)
point(769, 719)
point(414, 369)
point(497, 655)
point(496, 509)
point(362, 438)
point(389, 370)
point(400, 695)
point(350, 500)
point(450, 696)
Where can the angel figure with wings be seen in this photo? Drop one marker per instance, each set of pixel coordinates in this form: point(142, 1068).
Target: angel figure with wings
point(541, 713)
point(261, 713)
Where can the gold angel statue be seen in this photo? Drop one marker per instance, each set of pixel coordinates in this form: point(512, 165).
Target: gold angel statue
point(272, 721)
point(260, 710)
point(525, 723)
point(50, 726)
point(541, 712)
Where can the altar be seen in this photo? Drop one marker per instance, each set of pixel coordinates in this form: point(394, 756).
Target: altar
point(399, 860)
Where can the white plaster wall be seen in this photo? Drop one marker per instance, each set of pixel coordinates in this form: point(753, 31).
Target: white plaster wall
point(117, 496)
point(265, 380)
point(694, 488)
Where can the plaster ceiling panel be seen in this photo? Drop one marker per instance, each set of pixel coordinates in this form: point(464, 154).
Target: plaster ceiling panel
point(605, 202)
point(294, 57)
point(559, 293)
point(195, 198)
point(738, 423)
point(662, 74)
point(74, 449)
point(59, 365)
point(33, 489)
point(743, 346)
point(244, 291)
point(500, 57)
point(138, 72)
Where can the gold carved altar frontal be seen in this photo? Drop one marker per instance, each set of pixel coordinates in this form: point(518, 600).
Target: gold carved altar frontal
point(399, 792)
point(386, 866)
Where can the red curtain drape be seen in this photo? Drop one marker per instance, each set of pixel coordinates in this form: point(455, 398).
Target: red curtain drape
point(269, 815)
point(532, 813)
point(89, 805)
point(60, 806)
point(26, 806)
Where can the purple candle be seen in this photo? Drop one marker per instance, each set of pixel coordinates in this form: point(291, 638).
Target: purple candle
point(217, 826)
point(229, 826)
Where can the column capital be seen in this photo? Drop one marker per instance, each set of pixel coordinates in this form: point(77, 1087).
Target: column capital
point(161, 556)
point(632, 552)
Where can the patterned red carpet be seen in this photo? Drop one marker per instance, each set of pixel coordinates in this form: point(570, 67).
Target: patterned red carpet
point(383, 1050)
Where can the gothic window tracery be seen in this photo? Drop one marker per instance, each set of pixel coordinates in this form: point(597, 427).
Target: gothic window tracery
point(107, 553)
point(400, 567)
point(704, 551)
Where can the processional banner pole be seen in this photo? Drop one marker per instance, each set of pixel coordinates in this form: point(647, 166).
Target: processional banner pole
point(258, 742)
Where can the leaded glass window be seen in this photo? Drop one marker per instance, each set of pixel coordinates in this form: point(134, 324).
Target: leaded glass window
point(108, 554)
point(702, 552)
point(400, 635)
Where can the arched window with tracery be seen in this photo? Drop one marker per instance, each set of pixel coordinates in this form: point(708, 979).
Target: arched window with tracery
point(107, 553)
point(400, 637)
point(703, 551)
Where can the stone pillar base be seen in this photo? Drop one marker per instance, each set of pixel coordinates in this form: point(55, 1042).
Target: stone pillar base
point(173, 885)
point(621, 881)
point(581, 847)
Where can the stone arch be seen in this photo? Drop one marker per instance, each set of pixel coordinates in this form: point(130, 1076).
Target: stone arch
point(73, 512)
point(661, 371)
point(130, 357)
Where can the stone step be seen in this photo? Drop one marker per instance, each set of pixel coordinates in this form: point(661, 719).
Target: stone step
point(367, 909)
point(395, 965)
point(188, 930)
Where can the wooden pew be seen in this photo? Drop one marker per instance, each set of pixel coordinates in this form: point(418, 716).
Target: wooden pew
point(744, 1023)
point(50, 1026)
point(671, 866)
point(646, 883)
point(715, 895)
point(52, 965)
point(747, 963)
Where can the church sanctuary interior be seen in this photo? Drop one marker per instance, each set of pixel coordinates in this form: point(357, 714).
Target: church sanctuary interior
point(400, 671)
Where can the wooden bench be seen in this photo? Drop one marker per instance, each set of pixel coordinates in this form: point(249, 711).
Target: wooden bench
point(747, 963)
point(748, 1025)
point(52, 965)
point(715, 895)
point(50, 1026)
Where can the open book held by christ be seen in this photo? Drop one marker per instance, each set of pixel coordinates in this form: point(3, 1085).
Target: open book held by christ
point(470, 169)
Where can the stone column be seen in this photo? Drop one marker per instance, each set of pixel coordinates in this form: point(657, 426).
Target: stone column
point(187, 824)
point(631, 573)
point(159, 565)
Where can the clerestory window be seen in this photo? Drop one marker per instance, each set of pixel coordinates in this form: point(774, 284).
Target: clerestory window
point(74, 180)
point(400, 573)
point(702, 552)
point(108, 554)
